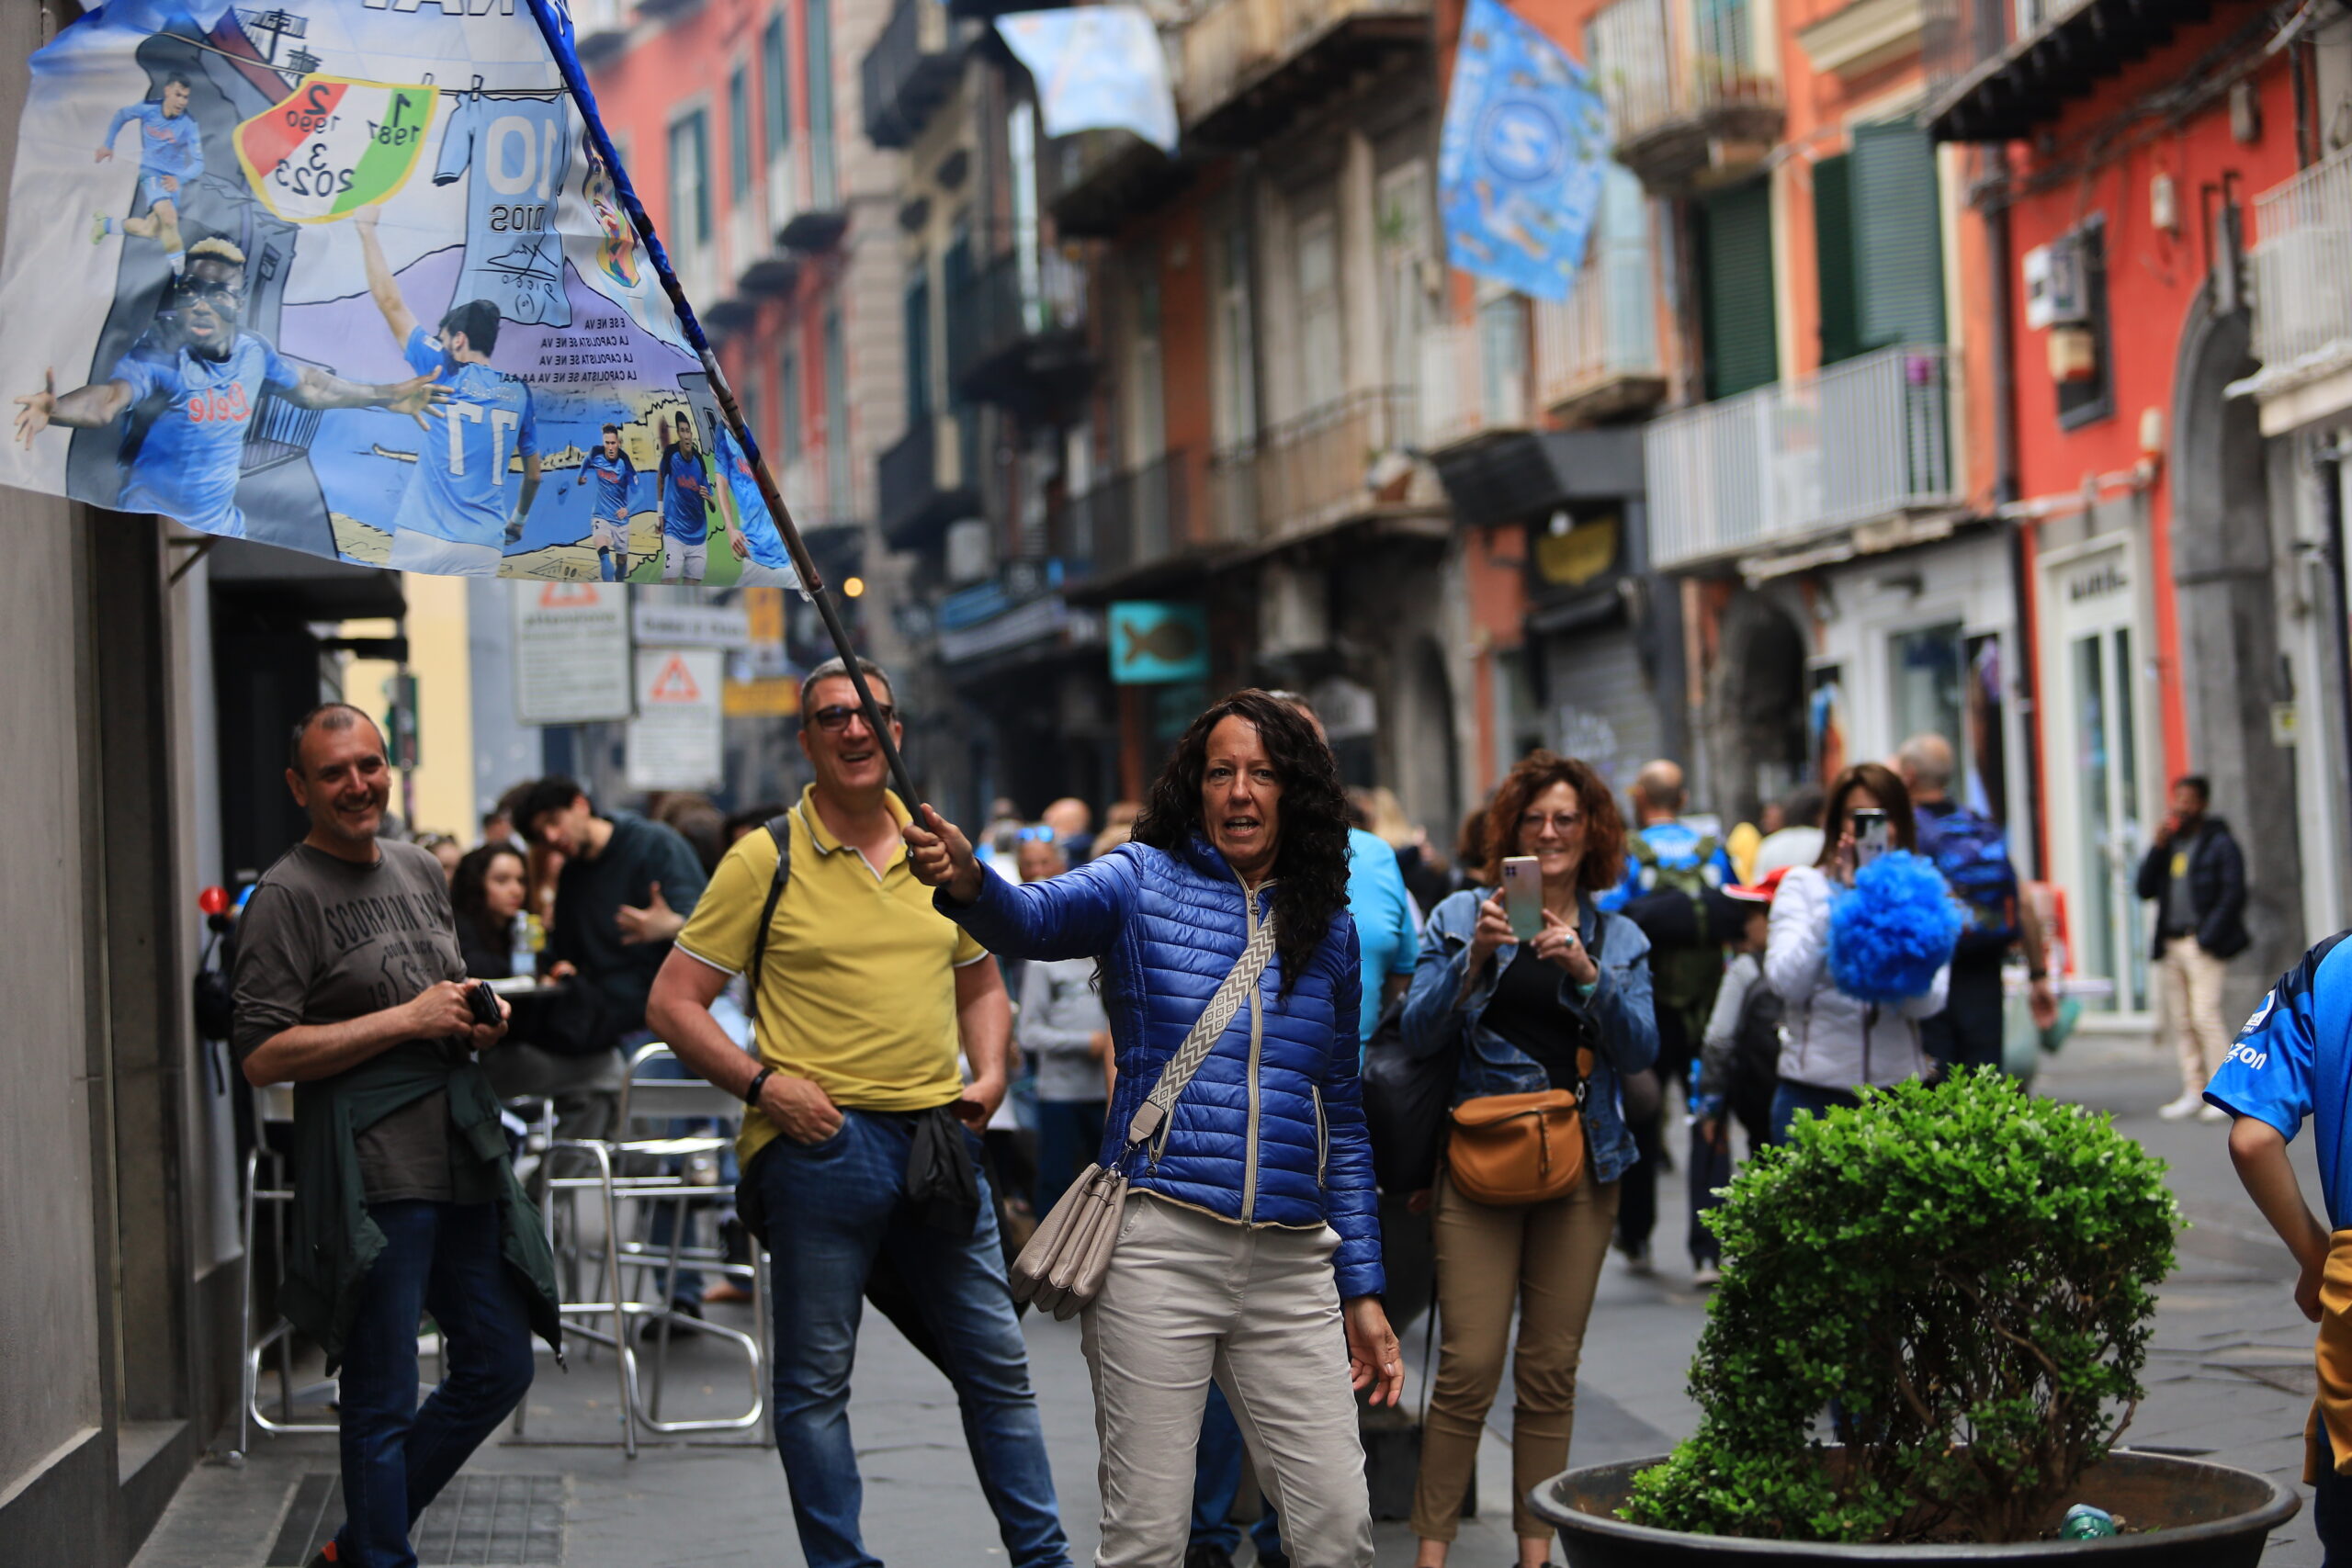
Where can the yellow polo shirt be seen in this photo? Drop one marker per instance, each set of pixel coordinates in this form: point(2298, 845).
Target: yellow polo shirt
point(857, 989)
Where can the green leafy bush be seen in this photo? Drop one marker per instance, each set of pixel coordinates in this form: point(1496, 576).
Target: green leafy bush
point(1961, 1274)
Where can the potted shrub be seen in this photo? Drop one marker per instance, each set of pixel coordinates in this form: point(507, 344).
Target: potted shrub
point(1961, 1276)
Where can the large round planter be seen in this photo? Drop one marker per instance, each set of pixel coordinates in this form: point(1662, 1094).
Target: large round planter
point(2196, 1515)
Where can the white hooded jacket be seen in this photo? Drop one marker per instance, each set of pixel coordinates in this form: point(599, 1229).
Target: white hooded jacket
point(1822, 1040)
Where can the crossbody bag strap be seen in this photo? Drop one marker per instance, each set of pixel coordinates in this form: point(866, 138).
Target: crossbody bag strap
point(779, 828)
point(1238, 982)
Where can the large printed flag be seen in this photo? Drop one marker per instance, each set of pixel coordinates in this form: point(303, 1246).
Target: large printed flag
point(341, 275)
point(1519, 156)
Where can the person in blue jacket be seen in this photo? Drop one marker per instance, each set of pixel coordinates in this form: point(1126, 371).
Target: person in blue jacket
point(1250, 1251)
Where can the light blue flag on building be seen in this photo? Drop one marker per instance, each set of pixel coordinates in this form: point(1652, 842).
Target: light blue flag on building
point(1520, 157)
point(1098, 68)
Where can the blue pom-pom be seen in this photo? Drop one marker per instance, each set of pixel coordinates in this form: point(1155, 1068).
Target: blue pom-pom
point(1893, 930)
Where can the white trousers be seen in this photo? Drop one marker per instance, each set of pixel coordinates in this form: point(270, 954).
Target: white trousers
point(1191, 1296)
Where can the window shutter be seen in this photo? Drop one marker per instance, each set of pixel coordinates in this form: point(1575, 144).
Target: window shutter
point(1833, 250)
point(1742, 338)
point(1898, 236)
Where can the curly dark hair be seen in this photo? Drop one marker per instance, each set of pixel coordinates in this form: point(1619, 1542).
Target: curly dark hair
point(1603, 865)
point(1311, 840)
point(1893, 798)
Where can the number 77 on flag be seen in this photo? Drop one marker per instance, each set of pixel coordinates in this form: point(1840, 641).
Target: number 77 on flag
point(335, 145)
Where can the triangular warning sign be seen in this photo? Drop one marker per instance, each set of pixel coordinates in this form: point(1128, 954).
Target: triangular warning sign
point(676, 683)
point(570, 596)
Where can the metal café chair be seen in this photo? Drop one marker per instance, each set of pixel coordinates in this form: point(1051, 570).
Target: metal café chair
point(279, 1337)
point(618, 1178)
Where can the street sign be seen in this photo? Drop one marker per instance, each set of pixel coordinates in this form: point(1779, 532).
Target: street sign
point(692, 626)
point(1155, 643)
point(675, 742)
point(762, 696)
point(571, 652)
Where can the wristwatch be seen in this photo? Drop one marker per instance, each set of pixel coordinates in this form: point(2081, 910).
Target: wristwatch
point(758, 1081)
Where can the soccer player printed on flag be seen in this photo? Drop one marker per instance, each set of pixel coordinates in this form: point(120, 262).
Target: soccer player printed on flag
point(684, 487)
point(171, 154)
point(458, 514)
point(610, 466)
point(188, 465)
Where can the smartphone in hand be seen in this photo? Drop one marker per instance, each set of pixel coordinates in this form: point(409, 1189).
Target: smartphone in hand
point(1874, 835)
point(1523, 895)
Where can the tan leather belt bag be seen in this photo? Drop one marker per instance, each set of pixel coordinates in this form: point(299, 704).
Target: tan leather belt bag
point(1510, 1149)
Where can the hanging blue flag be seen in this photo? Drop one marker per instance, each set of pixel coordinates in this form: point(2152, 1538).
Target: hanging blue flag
point(1098, 68)
point(342, 276)
point(1520, 156)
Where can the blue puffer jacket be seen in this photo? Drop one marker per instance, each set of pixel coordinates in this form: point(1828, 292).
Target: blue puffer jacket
point(1437, 1016)
point(1270, 1130)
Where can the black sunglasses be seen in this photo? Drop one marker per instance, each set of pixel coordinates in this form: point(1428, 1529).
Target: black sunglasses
point(834, 719)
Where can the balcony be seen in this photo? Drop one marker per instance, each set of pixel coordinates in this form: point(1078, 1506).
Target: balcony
point(1135, 529)
point(1016, 333)
point(1095, 181)
point(1251, 67)
point(599, 28)
point(923, 483)
point(1596, 351)
point(1335, 464)
point(1792, 464)
point(1473, 383)
point(2302, 296)
point(1692, 100)
point(911, 70)
point(1998, 69)
point(806, 212)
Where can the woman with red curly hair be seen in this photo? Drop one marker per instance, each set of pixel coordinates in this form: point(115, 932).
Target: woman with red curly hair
point(1519, 1018)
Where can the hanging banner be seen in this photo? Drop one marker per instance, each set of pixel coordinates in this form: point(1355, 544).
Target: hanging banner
point(343, 277)
point(1520, 156)
point(1097, 68)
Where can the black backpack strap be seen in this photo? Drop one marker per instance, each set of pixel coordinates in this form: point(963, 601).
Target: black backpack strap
point(779, 828)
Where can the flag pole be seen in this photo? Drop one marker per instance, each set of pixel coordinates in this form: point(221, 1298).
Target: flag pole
point(575, 81)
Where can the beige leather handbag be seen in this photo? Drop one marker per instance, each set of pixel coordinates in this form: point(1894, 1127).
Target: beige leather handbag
point(1063, 1267)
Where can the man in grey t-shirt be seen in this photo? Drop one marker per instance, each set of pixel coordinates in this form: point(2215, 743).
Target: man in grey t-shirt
point(348, 984)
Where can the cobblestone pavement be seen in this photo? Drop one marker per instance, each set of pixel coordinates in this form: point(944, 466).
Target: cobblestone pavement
point(2230, 1376)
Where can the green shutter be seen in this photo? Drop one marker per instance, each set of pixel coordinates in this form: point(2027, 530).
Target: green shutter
point(1898, 236)
point(1742, 341)
point(1833, 250)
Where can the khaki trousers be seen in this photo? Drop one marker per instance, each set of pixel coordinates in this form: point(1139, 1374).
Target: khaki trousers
point(1546, 1259)
point(2191, 982)
point(1190, 1297)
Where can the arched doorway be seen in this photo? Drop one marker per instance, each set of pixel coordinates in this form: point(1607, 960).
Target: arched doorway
point(1756, 708)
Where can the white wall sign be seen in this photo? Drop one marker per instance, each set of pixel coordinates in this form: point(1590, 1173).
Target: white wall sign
point(570, 652)
point(675, 742)
point(692, 626)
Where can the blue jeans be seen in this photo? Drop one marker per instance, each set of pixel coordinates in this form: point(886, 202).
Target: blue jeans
point(1792, 1098)
point(444, 1258)
point(1217, 1470)
point(1069, 1135)
point(832, 1208)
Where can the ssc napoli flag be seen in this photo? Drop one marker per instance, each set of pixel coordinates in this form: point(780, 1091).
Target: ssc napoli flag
point(1098, 68)
point(346, 277)
point(1520, 155)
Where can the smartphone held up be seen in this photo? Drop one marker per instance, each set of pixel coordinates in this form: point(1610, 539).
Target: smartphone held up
point(1523, 895)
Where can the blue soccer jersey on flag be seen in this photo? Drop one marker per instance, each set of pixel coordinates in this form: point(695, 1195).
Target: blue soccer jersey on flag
point(610, 477)
point(686, 490)
point(2293, 1060)
point(170, 145)
point(513, 154)
point(462, 490)
point(188, 464)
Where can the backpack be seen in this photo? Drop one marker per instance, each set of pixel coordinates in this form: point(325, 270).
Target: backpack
point(1755, 1040)
point(1683, 978)
point(1973, 853)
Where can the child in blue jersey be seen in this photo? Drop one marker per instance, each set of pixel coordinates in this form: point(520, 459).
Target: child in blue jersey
point(2293, 1061)
point(459, 510)
point(684, 487)
point(171, 154)
point(612, 471)
point(188, 464)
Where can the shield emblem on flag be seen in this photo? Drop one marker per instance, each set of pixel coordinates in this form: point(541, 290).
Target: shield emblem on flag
point(335, 145)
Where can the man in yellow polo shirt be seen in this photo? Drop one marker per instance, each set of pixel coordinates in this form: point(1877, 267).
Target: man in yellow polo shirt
point(856, 1144)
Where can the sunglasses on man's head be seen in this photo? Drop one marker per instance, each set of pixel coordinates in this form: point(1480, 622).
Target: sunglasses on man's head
point(834, 719)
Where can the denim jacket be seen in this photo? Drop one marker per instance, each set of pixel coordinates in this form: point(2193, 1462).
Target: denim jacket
point(1490, 1065)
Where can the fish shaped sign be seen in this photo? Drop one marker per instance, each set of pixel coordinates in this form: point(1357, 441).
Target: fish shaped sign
point(1153, 643)
point(348, 278)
